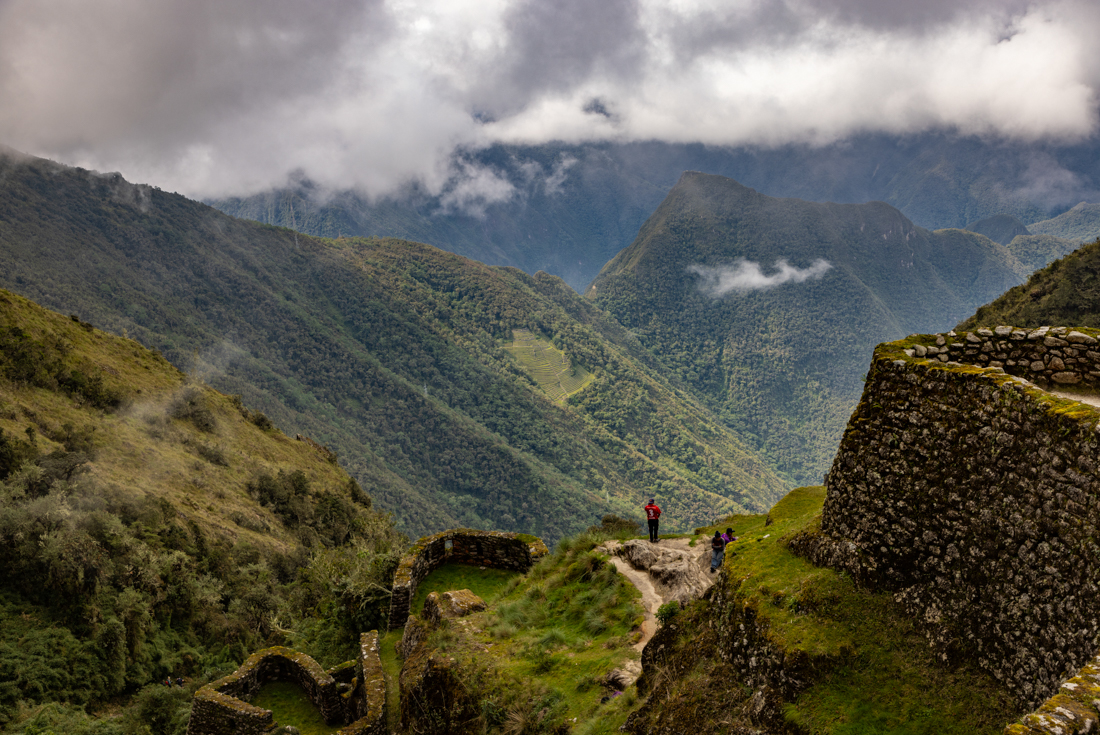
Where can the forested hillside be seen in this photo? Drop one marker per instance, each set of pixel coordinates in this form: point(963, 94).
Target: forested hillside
point(393, 354)
point(151, 526)
point(571, 208)
point(782, 362)
point(1066, 292)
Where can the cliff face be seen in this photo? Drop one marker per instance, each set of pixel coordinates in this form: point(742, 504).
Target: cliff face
point(973, 495)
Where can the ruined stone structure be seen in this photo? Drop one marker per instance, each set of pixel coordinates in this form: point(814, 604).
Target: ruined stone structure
point(460, 546)
point(974, 496)
point(353, 693)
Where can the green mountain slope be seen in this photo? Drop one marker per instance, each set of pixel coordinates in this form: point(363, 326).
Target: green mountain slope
point(783, 364)
point(573, 207)
point(1065, 292)
point(392, 353)
point(1080, 224)
point(151, 526)
point(1000, 228)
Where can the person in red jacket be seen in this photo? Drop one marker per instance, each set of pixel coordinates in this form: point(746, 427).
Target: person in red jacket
point(652, 514)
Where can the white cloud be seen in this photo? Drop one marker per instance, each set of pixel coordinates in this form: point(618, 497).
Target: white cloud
point(215, 97)
point(745, 275)
point(473, 188)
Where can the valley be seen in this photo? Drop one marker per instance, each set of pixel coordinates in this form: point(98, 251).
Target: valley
point(146, 473)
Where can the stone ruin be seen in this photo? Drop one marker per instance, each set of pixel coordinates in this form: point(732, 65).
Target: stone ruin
point(975, 497)
point(498, 549)
point(352, 694)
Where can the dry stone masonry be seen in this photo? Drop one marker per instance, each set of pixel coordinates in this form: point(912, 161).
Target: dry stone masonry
point(497, 549)
point(974, 495)
point(1046, 356)
point(354, 692)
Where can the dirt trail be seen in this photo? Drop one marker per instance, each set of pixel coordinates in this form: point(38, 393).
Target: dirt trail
point(654, 592)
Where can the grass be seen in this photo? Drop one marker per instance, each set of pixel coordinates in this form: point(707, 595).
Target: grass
point(547, 641)
point(212, 493)
point(391, 666)
point(486, 583)
point(290, 706)
point(878, 672)
point(549, 366)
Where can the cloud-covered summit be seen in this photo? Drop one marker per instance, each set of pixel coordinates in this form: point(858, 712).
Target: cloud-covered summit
point(217, 98)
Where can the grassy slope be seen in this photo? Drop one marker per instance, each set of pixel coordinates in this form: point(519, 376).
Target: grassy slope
point(783, 366)
point(140, 449)
point(133, 543)
point(389, 352)
point(535, 658)
point(1066, 292)
point(869, 667)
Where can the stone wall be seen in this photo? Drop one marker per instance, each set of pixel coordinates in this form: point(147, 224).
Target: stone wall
point(460, 546)
point(1047, 356)
point(350, 693)
point(973, 495)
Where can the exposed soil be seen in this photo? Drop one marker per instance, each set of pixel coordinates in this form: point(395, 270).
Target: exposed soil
point(656, 586)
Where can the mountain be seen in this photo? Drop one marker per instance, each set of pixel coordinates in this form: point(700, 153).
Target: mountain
point(781, 361)
point(1080, 224)
point(151, 526)
point(1066, 292)
point(1002, 228)
point(455, 393)
point(568, 209)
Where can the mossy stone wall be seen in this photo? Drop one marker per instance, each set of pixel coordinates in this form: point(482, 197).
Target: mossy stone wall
point(221, 707)
point(974, 495)
point(1047, 356)
point(497, 549)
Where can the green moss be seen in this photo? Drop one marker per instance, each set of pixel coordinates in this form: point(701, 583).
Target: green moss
point(290, 705)
point(872, 668)
point(485, 583)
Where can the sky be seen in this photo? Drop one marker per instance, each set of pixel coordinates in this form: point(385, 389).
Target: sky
point(231, 97)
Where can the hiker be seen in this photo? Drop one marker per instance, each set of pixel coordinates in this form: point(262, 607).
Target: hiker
point(717, 551)
point(728, 536)
point(652, 514)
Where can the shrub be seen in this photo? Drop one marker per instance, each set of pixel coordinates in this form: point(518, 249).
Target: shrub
point(191, 405)
point(667, 612)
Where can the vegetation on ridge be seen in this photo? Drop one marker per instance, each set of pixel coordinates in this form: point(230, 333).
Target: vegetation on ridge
point(782, 364)
point(1066, 293)
point(389, 352)
point(152, 527)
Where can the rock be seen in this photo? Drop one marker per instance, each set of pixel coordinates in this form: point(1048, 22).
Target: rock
point(1066, 378)
point(1056, 364)
point(1038, 366)
point(675, 573)
point(415, 632)
point(1003, 331)
point(1054, 342)
point(1019, 334)
point(1079, 338)
point(909, 353)
point(971, 337)
point(1038, 333)
point(921, 350)
point(623, 677)
point(940, 340)
point(985, 332)
point(452, 604)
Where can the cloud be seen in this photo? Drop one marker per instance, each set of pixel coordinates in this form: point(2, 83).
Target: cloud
point(472, 188)
point(744, 276)
point(220, 97)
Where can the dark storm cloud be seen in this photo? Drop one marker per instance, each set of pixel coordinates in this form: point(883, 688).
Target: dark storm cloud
point(227, 96)
point(554, 45)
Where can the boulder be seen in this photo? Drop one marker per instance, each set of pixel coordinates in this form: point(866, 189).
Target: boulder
point(676, 574)
point(452, 604)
